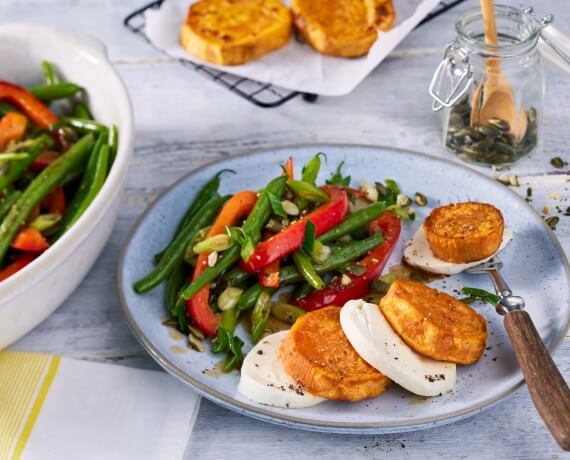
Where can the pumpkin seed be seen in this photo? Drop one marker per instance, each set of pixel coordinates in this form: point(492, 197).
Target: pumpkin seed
point(403, 200)
point(558, 162)
point(489, 131)
point(552, 222)
point(170, 322)
point(420, 199)
point(499, 124)
point(196, 332)
point(504, 148)
point(532, 115)
point(195, 343)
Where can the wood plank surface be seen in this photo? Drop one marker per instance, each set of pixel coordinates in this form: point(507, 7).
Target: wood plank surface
point(184, 121)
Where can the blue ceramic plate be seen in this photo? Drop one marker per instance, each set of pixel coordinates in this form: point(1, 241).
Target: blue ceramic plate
point(535, 267)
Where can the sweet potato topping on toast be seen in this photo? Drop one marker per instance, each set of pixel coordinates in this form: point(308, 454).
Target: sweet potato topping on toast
point(343, 28)
point(232, 32)
point(434, 323)
point(317, 354)
point(385, 15)
point(464, 232)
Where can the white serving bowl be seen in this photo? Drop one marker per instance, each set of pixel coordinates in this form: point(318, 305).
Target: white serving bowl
point(32, 294)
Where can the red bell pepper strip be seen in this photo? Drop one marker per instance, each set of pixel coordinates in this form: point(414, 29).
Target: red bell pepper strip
point(12, 128)
point(30, 240)
point(269, 275)
point(198, 307)
point(32, 106)
point(291, 238)
point(43, 160)
point(20, 262)
point(337, 293)
point(55, 202)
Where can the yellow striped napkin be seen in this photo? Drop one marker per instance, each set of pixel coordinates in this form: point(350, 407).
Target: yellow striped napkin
point(52, 407)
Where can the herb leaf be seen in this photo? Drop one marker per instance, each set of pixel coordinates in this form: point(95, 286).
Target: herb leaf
point(276, 205)
point(337, 178)
point(482, 295)
point(247, 248)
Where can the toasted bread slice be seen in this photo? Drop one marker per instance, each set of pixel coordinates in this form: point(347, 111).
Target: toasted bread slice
point(385, 14)
point(318, 355)
point(464, 232)
point(435, 324)
point(233, 32)
point(343, 28)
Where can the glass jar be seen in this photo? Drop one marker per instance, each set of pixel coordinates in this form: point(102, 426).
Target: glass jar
point(491, 95)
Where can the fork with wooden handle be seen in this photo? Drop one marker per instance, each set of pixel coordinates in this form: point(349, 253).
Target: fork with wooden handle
point(547, 388)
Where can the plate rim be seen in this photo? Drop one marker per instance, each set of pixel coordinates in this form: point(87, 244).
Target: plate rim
point(266, 415)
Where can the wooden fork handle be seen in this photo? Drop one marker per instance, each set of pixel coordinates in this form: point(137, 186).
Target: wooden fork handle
point(547, 388)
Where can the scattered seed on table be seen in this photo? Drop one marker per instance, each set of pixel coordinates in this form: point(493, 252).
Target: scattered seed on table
point(558, 162)
point(552, 222)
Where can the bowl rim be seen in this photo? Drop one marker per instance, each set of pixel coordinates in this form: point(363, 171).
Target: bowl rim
point(265, 414)
point(82, 229)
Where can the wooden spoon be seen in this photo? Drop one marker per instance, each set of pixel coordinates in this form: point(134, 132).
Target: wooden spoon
point(494, 98)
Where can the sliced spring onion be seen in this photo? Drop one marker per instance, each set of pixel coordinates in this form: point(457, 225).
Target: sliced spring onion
point(229, 298)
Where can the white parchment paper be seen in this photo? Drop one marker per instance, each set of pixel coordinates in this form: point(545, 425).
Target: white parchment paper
point(296, 66)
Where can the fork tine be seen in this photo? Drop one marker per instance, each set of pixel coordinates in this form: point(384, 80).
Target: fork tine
point(492, 264)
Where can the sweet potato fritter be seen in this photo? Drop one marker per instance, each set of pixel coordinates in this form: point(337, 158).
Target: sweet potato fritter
point(434, 323)
point(464, 232)
point(318, 355)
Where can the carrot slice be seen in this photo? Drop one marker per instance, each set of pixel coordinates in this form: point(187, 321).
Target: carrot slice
point(12, 128)
point(289, 168)
point(30, 240)
point(198, 308)
point(20, 262)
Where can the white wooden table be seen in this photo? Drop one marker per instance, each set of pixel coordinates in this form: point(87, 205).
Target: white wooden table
point(184, 121)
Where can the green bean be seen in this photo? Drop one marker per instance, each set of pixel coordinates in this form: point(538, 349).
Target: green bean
point(49, 93)
point(286, 312)
point(204, 195)
point(6, 107)
point(353, 222)
point(305, 267)
point(262, 209)
point(351, 251)
point(39, 188)
point(252, 226)
point(74, 208)
point(49, 73)
point(97, 181)
point(82, 125)
point(236, 276)
point(307, 191)
point(113, 143)
point(249, 297)
point(175, 252)
point(82, 111)
point(260, 314)
point(302, 290)
point(16, 168)
point(173, 286)
point(8, 202)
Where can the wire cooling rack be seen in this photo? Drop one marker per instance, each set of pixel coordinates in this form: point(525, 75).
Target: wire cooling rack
point(261, 94)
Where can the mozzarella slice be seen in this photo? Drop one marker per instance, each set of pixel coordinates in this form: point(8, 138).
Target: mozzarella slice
point(264, 379)
point(376, 342)
point(418, 254)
